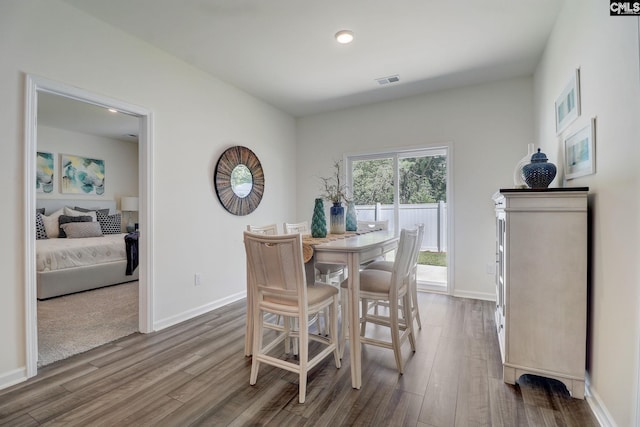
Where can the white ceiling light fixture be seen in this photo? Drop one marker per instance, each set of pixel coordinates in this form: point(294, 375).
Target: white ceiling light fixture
point(344, 36)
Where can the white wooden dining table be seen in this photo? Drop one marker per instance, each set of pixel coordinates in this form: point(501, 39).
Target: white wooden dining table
point(352, 252)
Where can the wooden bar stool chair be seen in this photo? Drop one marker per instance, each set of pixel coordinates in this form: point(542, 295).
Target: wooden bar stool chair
point(413, 276)
point(279, 287)
point(390, 287)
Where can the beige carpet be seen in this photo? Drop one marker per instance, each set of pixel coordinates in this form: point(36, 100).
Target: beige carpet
point(75, 323)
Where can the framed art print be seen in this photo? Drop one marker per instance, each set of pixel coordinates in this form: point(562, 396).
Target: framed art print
point(579, 152)
point(567, 105)
point(45, 172)
point(81, 175)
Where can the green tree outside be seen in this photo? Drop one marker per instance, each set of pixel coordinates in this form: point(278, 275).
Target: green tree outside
point(422, 180)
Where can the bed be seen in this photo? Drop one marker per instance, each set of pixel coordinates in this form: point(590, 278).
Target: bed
point(69, 265)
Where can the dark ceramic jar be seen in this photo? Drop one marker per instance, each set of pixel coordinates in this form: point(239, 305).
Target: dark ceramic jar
point(539, 173)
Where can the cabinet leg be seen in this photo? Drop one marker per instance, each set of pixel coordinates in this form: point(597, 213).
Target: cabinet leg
point(577, 389)
point(509, 375)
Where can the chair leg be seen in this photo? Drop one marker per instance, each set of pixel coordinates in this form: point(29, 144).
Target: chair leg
point(363, 319)
point(287, 336)
point(303, 358)
point(408, 317)
point(395, 334)
point(414, 297)
point(258, 319)
point(344, 302)
point(333, 312)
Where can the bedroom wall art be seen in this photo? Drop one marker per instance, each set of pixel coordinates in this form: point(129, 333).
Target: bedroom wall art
point(45, 172)
point(82, 175)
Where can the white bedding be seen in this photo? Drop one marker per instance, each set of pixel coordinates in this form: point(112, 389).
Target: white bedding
point(58, 254)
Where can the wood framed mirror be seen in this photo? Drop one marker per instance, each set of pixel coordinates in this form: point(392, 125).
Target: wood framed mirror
point(239, 180)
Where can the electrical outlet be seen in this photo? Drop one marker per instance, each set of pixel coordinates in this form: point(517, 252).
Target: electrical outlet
point(196, 279)
point(491, 268)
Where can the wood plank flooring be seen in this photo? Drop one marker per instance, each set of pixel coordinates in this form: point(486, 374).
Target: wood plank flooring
point(195, 374)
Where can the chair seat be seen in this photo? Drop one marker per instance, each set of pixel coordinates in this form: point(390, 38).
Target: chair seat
point(315, 295)
point(381, 265)
point(373, 281)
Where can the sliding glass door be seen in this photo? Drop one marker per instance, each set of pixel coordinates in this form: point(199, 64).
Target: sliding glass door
point(407, 188)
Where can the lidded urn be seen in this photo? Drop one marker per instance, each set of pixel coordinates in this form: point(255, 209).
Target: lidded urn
point(540, 172)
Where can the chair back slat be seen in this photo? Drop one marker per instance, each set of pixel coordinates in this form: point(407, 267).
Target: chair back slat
point(297, 227)
point(405, 258)
point(270, 230)
point(276, 264)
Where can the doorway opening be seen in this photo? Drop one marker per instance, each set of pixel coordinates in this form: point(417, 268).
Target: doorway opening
point(35, 86)
point(409, 187)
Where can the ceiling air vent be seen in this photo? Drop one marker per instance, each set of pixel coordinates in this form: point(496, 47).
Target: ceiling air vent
point(389, 79)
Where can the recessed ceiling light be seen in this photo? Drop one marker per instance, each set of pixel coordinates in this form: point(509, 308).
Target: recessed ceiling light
point(344, 36)
point(113, 110)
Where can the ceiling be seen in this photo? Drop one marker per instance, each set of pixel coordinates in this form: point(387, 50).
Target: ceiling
point(77, 116)
point(284, 51)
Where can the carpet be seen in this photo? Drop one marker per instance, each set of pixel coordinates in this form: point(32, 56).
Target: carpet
point(73, 324)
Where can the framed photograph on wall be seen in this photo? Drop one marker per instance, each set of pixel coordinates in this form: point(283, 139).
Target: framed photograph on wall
point(567, 105)
point(45, 172)
point(81, 175)
point(579, 152)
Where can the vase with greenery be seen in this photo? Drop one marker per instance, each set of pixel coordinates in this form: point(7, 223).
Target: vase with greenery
point(335, 191)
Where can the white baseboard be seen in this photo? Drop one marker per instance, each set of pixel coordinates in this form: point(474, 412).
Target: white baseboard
point(13, 377)
point(491, 296)
point(189, 314)
point(597, 406)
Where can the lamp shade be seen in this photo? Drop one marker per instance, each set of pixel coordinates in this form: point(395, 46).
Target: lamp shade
point(129, 204)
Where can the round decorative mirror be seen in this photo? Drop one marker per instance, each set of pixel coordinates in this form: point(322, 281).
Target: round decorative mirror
point(239, 180)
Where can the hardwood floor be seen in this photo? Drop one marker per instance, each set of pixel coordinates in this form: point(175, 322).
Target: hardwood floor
point(195, 374)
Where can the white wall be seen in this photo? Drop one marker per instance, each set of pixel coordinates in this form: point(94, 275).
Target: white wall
point(120, 160)
point(606, 50)
point(489, 126)
point(196, 117)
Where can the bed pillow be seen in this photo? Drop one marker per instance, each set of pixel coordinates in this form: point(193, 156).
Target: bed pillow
point(79, 230)
point(41, 232)
point(71, 212)
point(65, 219)
point(103, 211)
point(51, 225)
point(111, 224)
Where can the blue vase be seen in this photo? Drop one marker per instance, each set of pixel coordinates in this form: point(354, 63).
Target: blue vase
point(319, 221)
point(351, 219)
point(540, 172)
point(336, 218)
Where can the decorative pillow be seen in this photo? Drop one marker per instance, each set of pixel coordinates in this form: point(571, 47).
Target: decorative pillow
point(51, 225)
point(103, 211)
point(65, 219)
point(70, 212)
point(41, 232)
point(40, 211)
point(78, 230)
point(111, 224)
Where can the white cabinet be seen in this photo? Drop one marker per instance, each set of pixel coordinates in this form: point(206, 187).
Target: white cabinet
point(541, 284)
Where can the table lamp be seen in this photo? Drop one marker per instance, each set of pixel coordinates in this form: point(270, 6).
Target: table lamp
point(129, 204)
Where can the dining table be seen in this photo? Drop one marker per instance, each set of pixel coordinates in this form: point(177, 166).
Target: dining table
point(351, 250)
